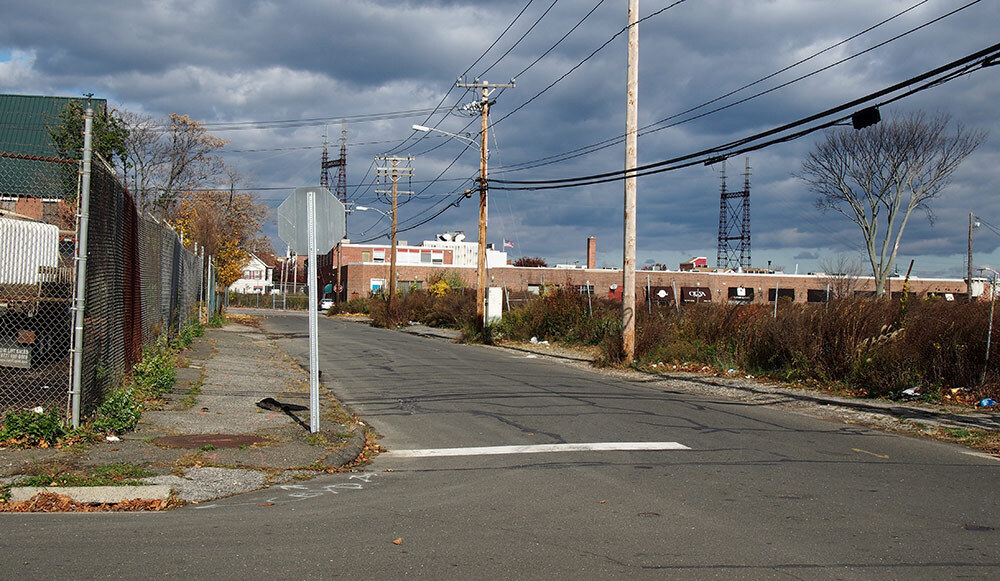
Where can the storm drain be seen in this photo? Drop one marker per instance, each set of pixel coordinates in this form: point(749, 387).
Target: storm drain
point(214, 440)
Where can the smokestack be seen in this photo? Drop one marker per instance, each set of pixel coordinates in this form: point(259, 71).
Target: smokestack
point(591, 252)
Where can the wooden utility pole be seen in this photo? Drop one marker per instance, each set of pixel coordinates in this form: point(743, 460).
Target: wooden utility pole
point(395, 172)
point(968, 291)
point(484, 108)
point(631, 161)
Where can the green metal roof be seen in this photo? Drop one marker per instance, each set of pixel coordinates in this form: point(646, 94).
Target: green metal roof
point(25, 121)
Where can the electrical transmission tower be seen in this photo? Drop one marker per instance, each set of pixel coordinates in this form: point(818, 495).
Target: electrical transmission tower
point(340, 163)
point(324, 164)
point(734, 224)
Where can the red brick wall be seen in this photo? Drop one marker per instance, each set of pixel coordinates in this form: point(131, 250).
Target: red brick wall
point(518, 279)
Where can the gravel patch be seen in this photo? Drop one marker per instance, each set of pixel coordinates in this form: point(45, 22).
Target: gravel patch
point(201, 484)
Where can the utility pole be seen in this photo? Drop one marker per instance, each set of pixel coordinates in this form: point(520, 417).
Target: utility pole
point(484, 109)
point(394, 172)
point(972, 224)
point(631, 161)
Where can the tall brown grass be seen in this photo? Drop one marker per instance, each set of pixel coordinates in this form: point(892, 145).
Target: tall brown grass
point(876, 347)
point(873, 347)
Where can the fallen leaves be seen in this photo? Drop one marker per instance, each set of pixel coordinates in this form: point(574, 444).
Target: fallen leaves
point(397, 541)
point(52, 502)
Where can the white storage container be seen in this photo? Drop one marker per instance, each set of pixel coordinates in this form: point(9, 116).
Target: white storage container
point(24, 247)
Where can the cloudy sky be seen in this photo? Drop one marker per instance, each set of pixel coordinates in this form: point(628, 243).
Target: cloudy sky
point(384, 66)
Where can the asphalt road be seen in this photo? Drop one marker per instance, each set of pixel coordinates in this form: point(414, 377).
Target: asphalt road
point(757, 493)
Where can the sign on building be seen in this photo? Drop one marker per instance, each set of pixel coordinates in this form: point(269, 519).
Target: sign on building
point(693, 294)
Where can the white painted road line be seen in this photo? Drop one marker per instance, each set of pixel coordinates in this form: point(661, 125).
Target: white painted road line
point(535, 449)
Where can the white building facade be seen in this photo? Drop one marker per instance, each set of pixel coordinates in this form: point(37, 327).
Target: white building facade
point(256, 279)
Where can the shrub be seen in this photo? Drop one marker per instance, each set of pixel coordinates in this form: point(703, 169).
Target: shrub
point(354, 306)
point(33, 428)
point(119, 413)
point(154, 375)
point(188, 333)
point(872, 347)
point(562, 315)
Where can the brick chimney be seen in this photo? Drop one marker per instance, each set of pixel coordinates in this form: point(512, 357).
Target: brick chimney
point(591, 252)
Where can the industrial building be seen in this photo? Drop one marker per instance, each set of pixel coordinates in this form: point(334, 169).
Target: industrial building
point(365, 268)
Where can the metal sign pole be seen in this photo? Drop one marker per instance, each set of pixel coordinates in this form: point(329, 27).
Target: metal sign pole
point(313, 316)
point(311, 221)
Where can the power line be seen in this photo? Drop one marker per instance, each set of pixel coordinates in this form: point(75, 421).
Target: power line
point(588, 149)
point(950, 71)
point(588, 57)
point(452, 87)
point(580, 22)
point(292, 123)
point(518, 41)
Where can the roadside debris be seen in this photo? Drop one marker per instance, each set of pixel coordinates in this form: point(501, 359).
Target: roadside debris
point(986, 402)
point(51, 502)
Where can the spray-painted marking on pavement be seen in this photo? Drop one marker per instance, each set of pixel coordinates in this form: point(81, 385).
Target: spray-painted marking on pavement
point(537, 448)
point(299, 492)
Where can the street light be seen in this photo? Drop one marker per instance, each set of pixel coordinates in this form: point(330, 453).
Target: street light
point(366, 208)
point(425, 129)
point(483, 212)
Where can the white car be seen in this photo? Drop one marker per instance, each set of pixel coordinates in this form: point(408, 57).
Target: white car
point(325, 304)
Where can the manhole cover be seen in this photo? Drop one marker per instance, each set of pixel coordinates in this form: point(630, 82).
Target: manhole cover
point(214, 440)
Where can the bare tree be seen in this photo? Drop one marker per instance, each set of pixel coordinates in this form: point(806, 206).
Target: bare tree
point(144, 154)
point(842, 274)
point(167, 158)
point(191, 156)
point(878, 176)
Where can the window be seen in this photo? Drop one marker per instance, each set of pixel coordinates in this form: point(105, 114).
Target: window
point(739, 294)
point(816, 295)
point(425, 257)
point(366, 256)
point(379, 255)
point(784, 294)
point(437, 257)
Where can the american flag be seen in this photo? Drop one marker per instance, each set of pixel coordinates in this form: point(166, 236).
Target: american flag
point(508, 244)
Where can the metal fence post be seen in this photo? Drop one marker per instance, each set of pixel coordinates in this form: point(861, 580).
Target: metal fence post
point(590, 304)
point(81, 268)
point(776, 285)
point(677, 300)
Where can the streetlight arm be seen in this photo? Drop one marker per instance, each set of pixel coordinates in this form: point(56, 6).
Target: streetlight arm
point(424, 129)
point(366, 208)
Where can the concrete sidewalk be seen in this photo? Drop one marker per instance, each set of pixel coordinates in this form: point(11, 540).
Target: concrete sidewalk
point(211, 439)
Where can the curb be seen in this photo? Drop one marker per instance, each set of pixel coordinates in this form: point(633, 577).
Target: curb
point(349, 452)
point(94, 494)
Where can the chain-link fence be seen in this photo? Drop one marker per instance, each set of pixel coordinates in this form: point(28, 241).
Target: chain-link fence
point(140, 282)
point(36, 281)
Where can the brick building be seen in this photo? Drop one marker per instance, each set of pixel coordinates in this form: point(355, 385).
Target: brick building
point(365, 269)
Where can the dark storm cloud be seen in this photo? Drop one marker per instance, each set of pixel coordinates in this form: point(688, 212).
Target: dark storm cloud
point(239, 60)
